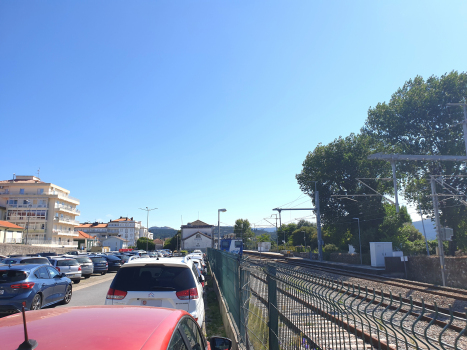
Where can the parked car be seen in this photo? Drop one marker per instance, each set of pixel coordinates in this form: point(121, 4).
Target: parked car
point(100, 264)
point(69, 266)
point(114, 262)
point(48, 254)
point(163, 283)
point(26, 260)
point(151, 328)
point(38, 285)
point(87, 267)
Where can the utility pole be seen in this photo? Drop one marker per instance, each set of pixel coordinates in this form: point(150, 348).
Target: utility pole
point(423, 225)
point(438, 228)
point(147, 225)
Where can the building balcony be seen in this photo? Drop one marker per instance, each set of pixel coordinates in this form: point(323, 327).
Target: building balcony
point(60, 195)
point(67, 209)
point(28, 206)
point(66, 221)
point(65, 233)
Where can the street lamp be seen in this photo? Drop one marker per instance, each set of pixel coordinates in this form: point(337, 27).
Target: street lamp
point(359, 240)
point(147, 225)
point(219, 228)
point(27, 225)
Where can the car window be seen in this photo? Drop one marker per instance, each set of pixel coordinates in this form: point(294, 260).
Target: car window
point(52, 272)
point(35, 261)
point(71, 262)
point(190, 329)
point(195, 270)
point(12, 276)
point(153, 278)
point(177, 342)
point(41, 273)
point(113, 258)
point(98, 260)
point(83, 260)
point(9, 261)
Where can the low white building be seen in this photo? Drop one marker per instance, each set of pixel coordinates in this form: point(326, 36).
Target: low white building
point(115, 243)
point(10, 233)
point(196, 235)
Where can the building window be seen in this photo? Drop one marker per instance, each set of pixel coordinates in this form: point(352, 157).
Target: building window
point(21, 191)
point(126, 230)
point(40, 191)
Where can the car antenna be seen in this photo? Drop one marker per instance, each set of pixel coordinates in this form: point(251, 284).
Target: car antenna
point(28, 344)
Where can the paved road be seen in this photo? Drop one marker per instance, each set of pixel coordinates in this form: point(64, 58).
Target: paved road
point(91, 291)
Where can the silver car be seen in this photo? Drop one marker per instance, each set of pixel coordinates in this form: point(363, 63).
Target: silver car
point(87, 267)
point(70, 267)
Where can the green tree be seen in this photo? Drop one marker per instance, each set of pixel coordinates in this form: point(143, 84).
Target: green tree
point(172, 242)
point(285, 233)
point(264, 238)
point(305, 234)
point(416, 120)
point(336, 167)
point(145, 243)
point(242, 229)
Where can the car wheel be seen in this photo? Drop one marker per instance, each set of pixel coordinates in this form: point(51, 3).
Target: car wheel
point(68, 295)
point(36, 303)
point(103, 273)
point(87, 276)
point(76, 281)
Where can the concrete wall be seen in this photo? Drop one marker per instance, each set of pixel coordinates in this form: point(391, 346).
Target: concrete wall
point(427, 269)
point(7, 249)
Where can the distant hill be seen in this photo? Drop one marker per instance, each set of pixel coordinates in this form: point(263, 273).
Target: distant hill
point(429, 228)
point(162, 232)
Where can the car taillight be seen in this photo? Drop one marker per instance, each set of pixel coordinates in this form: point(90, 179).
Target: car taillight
point(202, 283)
point(116, 294)
point(57, 268)
point(79, 268)
point(106, 263)
point(123, 262)
point(26, 285)
point(187, 294)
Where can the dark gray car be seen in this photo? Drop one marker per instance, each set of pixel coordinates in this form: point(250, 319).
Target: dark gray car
point(26, 260)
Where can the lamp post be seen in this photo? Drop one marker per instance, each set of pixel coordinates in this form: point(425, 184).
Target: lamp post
point(147, 225)
point(27, 225)
point(219, 228)
point(359, 240)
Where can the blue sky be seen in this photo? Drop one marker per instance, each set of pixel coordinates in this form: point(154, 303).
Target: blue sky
point(192, 106)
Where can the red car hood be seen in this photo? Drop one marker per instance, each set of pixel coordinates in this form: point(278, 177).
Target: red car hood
point(92, 327)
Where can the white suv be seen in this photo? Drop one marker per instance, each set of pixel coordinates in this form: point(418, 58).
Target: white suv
point(171, 283)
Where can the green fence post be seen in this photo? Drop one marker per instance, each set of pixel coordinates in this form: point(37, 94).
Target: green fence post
point(272, 306)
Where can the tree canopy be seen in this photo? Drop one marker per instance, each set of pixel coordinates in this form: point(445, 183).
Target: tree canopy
point(416, 120)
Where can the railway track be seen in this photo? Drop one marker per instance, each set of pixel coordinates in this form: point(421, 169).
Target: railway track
point(453, 293)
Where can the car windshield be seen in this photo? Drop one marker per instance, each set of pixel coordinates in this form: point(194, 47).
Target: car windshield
point(83, 260)
point(113, 258)
point(153, 278)
point(12, 276)
point(9, 261)
point(98, 260)
point(70, 262)
point(35, 261)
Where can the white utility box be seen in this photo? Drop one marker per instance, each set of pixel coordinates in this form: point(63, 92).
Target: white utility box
point(378, 251)
point(264, 246)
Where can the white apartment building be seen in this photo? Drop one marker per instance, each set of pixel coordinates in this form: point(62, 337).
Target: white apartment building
point(45, 210)
point(126, 228)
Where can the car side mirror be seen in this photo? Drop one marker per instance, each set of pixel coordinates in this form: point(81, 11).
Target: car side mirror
point(201, 278)
point(62, 275)
point(219, 343)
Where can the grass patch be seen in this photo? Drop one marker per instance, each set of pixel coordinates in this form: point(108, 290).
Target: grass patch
point(214, 324)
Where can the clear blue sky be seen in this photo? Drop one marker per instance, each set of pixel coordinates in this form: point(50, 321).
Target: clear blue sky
point(192, 106)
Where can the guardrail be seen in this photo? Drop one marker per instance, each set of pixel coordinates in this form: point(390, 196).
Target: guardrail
point(284, 307)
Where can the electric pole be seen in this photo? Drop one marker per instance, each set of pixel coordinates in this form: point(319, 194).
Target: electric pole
point(147, 225)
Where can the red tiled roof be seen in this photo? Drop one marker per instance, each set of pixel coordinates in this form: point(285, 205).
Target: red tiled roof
point(91, 225)
point(9, 225)
point(85, 235)
point(122, 219)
